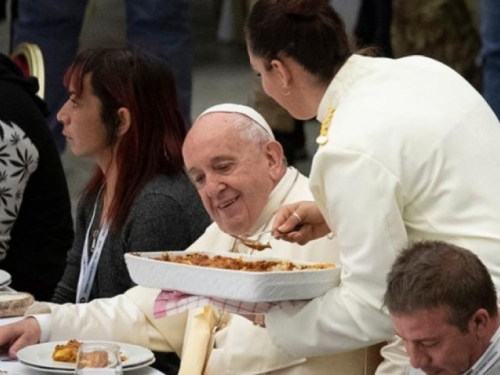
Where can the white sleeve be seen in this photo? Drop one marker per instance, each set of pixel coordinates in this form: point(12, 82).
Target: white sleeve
point(45, 323)
point(126, 318)
point(362, 201)
point(396, 360)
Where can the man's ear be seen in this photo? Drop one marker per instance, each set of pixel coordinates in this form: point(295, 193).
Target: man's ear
point(283, 73)
point(275, 159)
point(479, 323)
point(124, 116)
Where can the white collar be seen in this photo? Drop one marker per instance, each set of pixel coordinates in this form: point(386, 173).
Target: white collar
point(275, 201)
point(489, 357)
point(341, 83)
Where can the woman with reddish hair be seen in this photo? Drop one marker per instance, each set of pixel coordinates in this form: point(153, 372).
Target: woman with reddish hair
point(122, 112)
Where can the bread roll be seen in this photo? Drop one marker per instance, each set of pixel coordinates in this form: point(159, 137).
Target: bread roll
point(14, 304)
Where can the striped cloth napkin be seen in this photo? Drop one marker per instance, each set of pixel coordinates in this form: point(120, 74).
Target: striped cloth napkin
point(171, 302)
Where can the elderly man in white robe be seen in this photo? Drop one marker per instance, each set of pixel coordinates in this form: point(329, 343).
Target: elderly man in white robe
point(241, 175)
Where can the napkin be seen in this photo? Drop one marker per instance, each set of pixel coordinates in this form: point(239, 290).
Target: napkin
point(198, 342)
point(171, 302)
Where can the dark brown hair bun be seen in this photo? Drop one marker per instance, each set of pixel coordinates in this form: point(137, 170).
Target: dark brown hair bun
point(303, 8)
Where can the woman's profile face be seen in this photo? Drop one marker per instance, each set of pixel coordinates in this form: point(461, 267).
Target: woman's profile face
point(83, 128)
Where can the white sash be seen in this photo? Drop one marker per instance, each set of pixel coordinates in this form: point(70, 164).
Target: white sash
point(88, 268)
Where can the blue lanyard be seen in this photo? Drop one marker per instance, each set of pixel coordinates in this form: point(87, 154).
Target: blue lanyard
point(88, 267)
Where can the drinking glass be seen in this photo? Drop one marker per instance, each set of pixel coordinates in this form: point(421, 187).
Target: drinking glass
point(98, 359)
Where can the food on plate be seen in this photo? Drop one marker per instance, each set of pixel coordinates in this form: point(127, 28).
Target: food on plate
point(95, 359)
point(14, 303)
point(239, 264)
point(69, 352)
point(66, 352)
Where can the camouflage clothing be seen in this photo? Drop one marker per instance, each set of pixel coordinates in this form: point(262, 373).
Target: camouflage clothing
point(445, 30)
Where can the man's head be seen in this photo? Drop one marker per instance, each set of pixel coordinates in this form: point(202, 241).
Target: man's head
point(443, 305)
point(232, 158)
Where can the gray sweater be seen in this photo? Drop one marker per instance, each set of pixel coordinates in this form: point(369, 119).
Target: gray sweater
point(166, 215)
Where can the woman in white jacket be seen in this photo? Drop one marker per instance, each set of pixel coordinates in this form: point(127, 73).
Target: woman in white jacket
point(407, 150)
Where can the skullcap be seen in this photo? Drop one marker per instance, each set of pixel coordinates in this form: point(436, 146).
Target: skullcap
point(241, 109)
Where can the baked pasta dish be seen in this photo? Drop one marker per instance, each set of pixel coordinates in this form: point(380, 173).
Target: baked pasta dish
point(239, 264)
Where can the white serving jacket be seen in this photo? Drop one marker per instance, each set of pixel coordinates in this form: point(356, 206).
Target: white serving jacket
point(413, 153)
point(240, 346)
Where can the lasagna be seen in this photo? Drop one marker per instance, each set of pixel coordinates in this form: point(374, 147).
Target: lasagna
point(239, 264)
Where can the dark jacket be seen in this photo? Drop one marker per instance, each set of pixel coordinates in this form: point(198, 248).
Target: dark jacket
point(42, 232)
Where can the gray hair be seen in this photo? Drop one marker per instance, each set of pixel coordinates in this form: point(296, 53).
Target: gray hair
point(251, 131)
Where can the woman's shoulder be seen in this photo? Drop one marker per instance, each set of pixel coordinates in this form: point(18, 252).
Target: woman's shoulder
point(177, 187)
point(170, 193)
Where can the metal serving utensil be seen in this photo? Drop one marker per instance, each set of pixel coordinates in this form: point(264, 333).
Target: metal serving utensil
point(254, 244)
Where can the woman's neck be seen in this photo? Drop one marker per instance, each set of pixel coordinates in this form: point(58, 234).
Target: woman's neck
point(307, 86)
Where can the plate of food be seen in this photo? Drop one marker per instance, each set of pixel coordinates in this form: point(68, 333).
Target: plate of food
point(232, 276)
point(60, 356)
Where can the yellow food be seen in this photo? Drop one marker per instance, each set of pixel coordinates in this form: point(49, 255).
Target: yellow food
point(67, 352)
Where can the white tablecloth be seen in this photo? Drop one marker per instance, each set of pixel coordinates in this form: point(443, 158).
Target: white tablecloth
point(14, 367)
point(20, 369)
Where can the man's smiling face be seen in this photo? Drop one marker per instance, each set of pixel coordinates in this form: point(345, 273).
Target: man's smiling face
point(234, 177)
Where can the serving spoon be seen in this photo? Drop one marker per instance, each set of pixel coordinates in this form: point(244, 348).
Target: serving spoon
point(254, 244)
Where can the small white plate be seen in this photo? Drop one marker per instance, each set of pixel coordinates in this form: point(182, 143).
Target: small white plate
point(72, 371)
point(5, 278)
point(39, 357)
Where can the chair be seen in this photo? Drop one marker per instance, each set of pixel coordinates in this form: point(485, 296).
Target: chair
point(28, 57)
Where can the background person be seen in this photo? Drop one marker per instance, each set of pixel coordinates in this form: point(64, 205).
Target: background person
point(386, 171)
point(122, 112)
point(36, 229)
point(158, 26)
point(230, 153)
point(443, 304)
point(444, 30)
point(490, 52)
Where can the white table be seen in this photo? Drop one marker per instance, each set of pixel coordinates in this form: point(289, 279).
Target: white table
point(14, 367)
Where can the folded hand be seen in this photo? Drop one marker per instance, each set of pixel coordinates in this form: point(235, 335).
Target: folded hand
point(15, 336)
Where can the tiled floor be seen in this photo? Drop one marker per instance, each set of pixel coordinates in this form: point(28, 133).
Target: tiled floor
point(221, 72)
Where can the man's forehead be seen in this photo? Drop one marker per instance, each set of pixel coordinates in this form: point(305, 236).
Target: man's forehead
point(421, 323)
point(213, 125)
point(214, 141)
point(212, 148)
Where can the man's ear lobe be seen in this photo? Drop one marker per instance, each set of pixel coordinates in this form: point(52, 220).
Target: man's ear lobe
point(124, 116)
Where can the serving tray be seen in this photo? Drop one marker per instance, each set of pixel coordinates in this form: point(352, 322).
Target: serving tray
point(148, 270)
